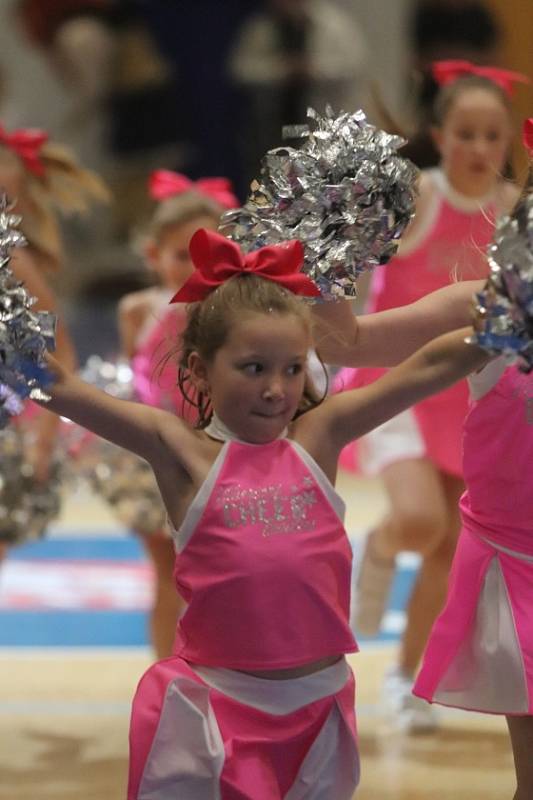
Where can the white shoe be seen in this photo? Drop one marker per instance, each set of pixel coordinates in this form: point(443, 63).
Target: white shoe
point(371, 586)
point(410, 714)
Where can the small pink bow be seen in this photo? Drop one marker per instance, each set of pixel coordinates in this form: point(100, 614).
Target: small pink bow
point(217, 259)
point(527, 135)
point(164, 183)
point(446, 72)
point(26, 143)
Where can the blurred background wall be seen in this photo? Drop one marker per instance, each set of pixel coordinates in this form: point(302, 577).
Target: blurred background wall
point(156, 89)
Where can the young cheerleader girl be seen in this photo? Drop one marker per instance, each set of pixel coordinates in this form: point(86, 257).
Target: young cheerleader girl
point(44, 179)
point(148, 328)
point(257, 701)
point(480, 652)
point(418, 454)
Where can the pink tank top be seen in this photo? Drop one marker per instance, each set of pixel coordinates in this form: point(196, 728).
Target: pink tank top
point(452, 247)
point(264, 563)
point(155, 377)
point(498, 463)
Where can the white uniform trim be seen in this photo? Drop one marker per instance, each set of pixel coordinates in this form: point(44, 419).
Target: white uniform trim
point(192, 770)
point(480, 383)
point(508, 551)
point(275, 696)
point(183, 535)
point(474, 678)
point(196, 509)
point(398, 439)
point(335, 500)
point(459, 201)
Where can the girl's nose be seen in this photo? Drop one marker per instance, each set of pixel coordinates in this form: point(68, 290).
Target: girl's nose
point(274, 391)
point(481, 146)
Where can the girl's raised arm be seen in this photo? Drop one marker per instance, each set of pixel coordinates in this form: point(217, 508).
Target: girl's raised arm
point(434, 367)
point(386, 338)
point(139, 428)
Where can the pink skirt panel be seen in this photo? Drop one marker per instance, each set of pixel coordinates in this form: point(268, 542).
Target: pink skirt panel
point(190, 740)
point(439, 420)
point(480, 652)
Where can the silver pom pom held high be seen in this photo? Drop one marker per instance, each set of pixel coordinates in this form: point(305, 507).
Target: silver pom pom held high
point(346, 194)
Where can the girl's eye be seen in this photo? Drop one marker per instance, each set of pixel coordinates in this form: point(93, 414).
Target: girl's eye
point(253, 368)
point(295, 369)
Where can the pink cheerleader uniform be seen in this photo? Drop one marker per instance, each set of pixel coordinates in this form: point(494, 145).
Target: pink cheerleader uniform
point(263, 564)
point(480, 652)
point(449, 246)
point(155, 375)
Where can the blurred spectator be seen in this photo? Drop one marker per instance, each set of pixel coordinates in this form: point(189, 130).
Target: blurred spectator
point(102, 51)
point(122, 95)
point(445, 29)
point(291, 55)
point(77, 37)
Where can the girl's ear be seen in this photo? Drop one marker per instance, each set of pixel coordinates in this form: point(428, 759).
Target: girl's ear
point(436, 135)
point(198, 372)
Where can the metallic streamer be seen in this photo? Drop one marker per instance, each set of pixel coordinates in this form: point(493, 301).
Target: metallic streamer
point(27, 505)
point(25, 335)
point(124, 480)
point(503, 314)
point(345, 194)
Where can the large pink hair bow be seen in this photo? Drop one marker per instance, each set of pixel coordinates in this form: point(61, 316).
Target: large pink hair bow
point(26, 143)
point(164, 183)
point(446, 72)
point(527, 135)
point(217, 259)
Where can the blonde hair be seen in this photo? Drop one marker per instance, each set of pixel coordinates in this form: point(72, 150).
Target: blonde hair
point(66, 187)
point(209, 323)
point(179, 210)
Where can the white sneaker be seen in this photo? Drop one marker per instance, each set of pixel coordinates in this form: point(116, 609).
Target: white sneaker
point(372, 581)
point(410, 714)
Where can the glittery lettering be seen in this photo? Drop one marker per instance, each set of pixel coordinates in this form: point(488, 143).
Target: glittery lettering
point(275, 508)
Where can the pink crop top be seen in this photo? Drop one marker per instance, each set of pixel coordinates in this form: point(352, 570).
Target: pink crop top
point(264, 562)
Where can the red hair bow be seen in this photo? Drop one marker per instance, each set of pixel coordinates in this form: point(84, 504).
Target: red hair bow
point(446, 72)
point(217, 259)
point(164, 183)
point(527, 135)
point(26, 143)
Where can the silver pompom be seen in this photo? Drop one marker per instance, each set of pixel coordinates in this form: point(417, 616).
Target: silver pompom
point(125, 481)
point(504, 309)
point(346, 195)
point(25, 335)
point(27, 505)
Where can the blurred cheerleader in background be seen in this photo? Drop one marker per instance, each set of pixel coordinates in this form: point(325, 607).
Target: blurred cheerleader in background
point(44, 181)
point(480, 652)
point(149, 329)
point(418, 454)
